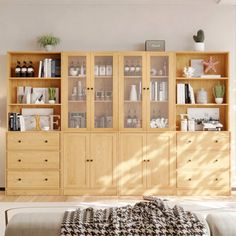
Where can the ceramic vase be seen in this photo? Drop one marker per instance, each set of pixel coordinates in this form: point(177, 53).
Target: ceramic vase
point(200, 47)
point(219, 100)
point(48, 48)
point(133, 93)
point(202, 96)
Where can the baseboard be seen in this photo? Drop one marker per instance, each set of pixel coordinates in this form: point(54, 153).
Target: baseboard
point(2, 189)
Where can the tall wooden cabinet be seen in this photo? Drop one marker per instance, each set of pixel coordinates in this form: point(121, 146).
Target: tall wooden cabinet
point(120, 129)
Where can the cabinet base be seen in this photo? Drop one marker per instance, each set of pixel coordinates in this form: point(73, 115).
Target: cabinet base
point(30, 192)
point(204, 192)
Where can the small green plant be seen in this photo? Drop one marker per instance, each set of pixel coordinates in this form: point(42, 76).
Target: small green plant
point(200, 37)
point(52, 93)
point(48, 39)
point(219, 90)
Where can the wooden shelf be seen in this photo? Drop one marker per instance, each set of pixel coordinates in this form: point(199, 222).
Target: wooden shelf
point(34, 78)
point(77, 101)
point(128, 101)
point(159, 77)
point(159, 101)
point(199, 78)
point(203, 105)
point(102, 101)
point(133, 77)
point(30, 105)
point(77, 77)
point(103, 77)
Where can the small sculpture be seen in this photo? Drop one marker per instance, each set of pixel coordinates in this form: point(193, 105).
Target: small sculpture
point(210, 65)
point(188, 71)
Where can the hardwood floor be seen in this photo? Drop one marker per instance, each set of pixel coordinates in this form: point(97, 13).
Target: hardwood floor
point(4, 198)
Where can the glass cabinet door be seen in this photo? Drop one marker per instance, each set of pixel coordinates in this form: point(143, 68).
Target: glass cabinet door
point(77, 94)
point(158, 102)
point(132, 92)
point(103, 94)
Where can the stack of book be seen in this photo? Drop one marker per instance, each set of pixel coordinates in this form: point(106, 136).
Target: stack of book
point(159, 91)
point(185, 94)
point(14, 120)
point(49, 68)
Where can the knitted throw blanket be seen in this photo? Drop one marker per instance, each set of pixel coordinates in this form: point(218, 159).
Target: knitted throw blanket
point(144, 218)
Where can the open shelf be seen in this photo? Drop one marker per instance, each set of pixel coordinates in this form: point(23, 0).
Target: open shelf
point(199, 78)
point(34, 78)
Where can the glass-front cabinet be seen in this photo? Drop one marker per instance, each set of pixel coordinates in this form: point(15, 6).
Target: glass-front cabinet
point(132, 86)
point(144, 91)
point(159, 79)
point(90, 91)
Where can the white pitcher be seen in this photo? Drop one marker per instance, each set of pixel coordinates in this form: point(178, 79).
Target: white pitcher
point(133, 93)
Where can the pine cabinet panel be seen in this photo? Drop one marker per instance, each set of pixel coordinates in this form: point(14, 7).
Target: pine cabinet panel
point(76, 165)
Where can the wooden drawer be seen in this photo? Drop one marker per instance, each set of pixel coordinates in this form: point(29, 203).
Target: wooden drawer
point(200, 179)
point(32, 141)
point(33, 159)
point(203, 141)
point(33, 179)
point(203, 159)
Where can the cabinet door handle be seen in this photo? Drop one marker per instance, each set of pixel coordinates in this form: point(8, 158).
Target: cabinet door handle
point(46, 179)
point(19, 179)
point(189, 160)
point(46, 160)
point(87, 160)
point(91, 160)
point(88, 88)
point(91, 88)
point(147, 88)
point(19, 141)
point(144, 88)
point(216, 160)
point(189, 141)
point(189, 179)
point(46, 141)
point(216, 141)
point(144, 160)
point(148, 160)
point(19, 160)
point(216, 179)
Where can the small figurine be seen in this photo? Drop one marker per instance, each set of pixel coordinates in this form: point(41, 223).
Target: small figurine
point(188, 71)
point(210, 65)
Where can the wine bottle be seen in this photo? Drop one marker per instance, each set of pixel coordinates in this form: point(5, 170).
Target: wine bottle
point(30, 70)
point(24, 69)
point(18, 70)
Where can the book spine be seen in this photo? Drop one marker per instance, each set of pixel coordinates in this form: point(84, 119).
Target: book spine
point(40, 69)
point(10, 121)
point(156, 92)
point(53, 68)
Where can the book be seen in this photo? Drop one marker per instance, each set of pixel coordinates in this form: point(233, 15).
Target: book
point(191, 94)
point(40, 69)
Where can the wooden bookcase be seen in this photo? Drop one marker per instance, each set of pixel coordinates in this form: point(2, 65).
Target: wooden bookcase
point(108, 143)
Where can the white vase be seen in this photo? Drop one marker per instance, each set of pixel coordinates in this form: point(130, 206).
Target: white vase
point(51, 101)
point(202, 96)
point(133, 93)
point(199, 47)
point(219, 100)
point(48, 48)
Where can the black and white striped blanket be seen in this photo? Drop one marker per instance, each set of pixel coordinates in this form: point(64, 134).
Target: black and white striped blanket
point(144, 218)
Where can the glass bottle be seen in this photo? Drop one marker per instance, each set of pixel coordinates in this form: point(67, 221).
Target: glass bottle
point(137, 68)
point(126, 68)
point(18, 69)
point(30, 70)
point(24, 69)
point(102, 69)
point(129, 120)
point(134, 120)
point(132, 68)
point(82, 69)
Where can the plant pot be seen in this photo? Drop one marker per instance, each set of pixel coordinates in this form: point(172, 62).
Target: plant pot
point(48, 48)
point(219, 100)
point(199, 47)
point(51, 101)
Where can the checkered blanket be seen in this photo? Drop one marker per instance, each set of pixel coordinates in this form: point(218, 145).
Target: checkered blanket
point(144, 218)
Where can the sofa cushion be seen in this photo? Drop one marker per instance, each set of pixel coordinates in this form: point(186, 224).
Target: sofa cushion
point(222, 223)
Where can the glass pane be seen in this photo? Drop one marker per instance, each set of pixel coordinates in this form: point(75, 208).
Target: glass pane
point(159, 107)
point(77, 105)
point(103, 92)
point(132, 92)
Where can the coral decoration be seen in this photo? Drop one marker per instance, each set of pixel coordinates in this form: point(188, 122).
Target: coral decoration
point(210, 65)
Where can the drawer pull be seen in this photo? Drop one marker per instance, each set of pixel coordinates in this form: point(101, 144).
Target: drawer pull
point(148, 160)
point(46, 141)
point(19, 179)
point(189, 179)
point(46, 179)
point(216, 179)
point(19, 141)
point(91, 160)
point(189, 141)
point(87, 160)
point(46, 160)
point(216, 141)
point(216, 160)
point(189, 160)
point(19, 160)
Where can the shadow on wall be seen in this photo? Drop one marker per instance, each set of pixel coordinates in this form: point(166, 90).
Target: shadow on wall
point(3, 116)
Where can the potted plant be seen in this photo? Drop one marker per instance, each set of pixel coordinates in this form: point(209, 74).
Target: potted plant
point(48, 41)
point(52, 95)
point(199, 40)
point(219, 92)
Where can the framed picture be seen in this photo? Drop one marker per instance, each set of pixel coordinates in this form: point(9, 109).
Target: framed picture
point(197, 64)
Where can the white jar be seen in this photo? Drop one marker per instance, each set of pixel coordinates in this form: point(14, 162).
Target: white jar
point(191, 125)
point(202, 96)
point(184, 125)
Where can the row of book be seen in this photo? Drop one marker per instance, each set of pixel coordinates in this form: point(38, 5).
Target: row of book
point(159, 91)
point(14, 120)
point(49, 68)
point(185, 94)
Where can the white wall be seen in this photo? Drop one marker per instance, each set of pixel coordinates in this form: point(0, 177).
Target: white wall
point(112, 27)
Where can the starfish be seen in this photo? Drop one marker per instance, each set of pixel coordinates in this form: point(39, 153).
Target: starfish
point(210, 65)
